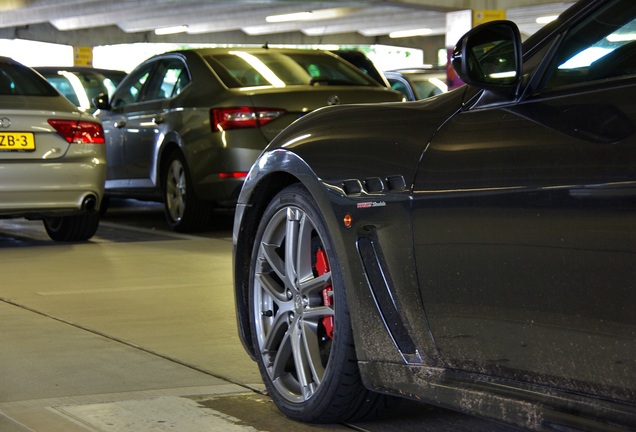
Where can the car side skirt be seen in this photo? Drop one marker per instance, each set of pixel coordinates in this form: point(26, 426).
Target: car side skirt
point(531, 407)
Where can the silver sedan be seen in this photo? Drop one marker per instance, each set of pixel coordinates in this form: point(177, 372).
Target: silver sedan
point(52, 156)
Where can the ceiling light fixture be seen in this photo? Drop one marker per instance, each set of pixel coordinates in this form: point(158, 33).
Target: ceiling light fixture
point(171, 30)
point(410, 33)
point(309, 15)
point(298, 16)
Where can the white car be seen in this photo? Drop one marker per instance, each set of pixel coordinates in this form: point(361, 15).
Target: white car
point(52, 156)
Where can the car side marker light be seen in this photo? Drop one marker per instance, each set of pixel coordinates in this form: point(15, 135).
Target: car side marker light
point(347, 220)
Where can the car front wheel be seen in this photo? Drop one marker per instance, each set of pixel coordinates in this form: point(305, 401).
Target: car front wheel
point(300, 319)
point(184, 212)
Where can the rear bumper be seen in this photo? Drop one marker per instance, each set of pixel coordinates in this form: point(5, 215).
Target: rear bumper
point(35, 205)
point(39, 188)
point(209, 185)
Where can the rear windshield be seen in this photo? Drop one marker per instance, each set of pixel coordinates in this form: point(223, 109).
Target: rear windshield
point(70, 84)
point(244, 69)
point(19, 80)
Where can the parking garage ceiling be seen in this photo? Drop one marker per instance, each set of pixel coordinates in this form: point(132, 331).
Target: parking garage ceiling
point(108, 22)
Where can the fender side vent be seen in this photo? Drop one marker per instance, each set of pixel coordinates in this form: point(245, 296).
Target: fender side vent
point(396, 183)
point(380, 281)
point(352, 187)
point(374, 185)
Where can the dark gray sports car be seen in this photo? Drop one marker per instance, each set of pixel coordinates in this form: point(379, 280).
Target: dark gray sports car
point(475, 250)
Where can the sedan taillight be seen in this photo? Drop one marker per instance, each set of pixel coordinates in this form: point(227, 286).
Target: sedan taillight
point(223, 119)
point(79, 132)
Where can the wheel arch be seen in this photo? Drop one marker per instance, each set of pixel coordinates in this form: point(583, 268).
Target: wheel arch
point(275, 170)
point(171, 144)
point(258, 191)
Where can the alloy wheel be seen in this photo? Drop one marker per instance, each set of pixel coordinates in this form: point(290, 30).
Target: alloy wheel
point(176, 190)
point(292, 304)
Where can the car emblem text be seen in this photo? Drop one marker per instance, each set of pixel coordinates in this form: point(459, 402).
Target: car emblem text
point(371, 204)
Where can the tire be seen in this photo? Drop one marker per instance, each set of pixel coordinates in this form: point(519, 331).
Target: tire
point(304, 346)
point(72, 228)
point(184, 212)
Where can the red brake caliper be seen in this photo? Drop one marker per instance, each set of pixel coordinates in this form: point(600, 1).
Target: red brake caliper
point(322, 267)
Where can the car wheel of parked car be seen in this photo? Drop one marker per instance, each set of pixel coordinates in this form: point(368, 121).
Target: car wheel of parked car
point(185, 213)
point(299, 317)
point(72, 228)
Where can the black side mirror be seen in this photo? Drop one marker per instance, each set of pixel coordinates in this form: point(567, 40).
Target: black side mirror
point(101, 102)
point(489, 56)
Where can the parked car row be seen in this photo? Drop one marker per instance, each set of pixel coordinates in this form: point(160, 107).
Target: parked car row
point(183, 128)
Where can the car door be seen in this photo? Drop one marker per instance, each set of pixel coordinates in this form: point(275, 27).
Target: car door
point(149, 122)
point(118, 127)
point(524, 226)
point(143, 130)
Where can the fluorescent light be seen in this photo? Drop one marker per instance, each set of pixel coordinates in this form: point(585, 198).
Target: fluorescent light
point(546, 19)
point(309, 15)
point(171, 30)
point(410, 33)
point(298, 16)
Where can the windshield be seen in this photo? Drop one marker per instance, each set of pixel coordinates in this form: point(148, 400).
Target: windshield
point(601, 47)
point(280, 69)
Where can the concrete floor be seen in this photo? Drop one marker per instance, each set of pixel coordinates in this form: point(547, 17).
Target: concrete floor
point(135, 331)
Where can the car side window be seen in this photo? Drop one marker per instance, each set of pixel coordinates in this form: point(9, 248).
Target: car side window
point(175, 79)
point(601, 47)
point(133, 91)
point(171, 77)
point(181, 80)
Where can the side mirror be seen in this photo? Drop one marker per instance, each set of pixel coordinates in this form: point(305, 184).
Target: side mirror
point(489, 56)
point(101, 102)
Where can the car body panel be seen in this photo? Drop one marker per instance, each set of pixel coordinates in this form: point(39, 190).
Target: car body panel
point(341, 186)
point(555, 191)
point(485, 236)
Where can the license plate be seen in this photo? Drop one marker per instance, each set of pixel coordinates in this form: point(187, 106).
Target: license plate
point(17, 141)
